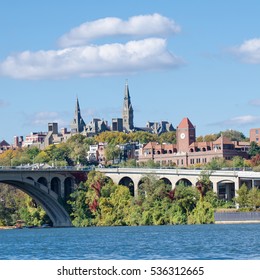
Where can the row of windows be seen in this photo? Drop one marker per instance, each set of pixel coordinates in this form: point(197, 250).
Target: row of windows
point(180, 162)
point(198, 160)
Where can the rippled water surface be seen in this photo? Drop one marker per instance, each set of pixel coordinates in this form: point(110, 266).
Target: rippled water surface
point(147, 242)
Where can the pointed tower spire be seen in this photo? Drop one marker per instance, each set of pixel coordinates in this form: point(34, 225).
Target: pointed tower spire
point(128, 112)
point(127, 96)
point(77, 124)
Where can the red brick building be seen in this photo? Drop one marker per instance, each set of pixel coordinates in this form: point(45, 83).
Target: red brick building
point(187, 152)
point(254, 135)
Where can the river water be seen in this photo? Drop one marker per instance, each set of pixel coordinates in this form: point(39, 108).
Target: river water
point(189, 242)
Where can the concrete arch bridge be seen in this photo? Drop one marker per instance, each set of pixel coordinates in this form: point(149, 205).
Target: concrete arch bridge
point(225, 183)
point(49, 188)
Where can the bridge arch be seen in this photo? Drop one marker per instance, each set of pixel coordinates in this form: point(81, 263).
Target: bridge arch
point(30, 178)
point(56, 185)
point(166, 181)
point(43, 181)
point(44, 197)
point(226, 189)
point(128, 182)
point(184, 181)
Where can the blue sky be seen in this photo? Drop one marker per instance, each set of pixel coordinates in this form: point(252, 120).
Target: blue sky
point(196, 59)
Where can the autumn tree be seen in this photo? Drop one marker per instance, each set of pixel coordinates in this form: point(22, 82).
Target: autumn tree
point(204, 184)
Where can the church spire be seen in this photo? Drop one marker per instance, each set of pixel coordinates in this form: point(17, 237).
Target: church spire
point(128, 112)
point(77, 124)
point(127, 96)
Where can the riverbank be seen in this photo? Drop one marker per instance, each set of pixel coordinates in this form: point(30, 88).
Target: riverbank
point(7, 227)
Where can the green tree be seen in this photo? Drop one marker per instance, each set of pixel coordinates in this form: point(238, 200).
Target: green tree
point(31, 152)
point(77, 148)
point(168, 137)
point(143, 137)
point(112, 152)
point(80, 212)
point(207, 138)
point(114, 208)
point(254, 198)
point(204, 184)
point(150, 164)
point(216, 164)
point(238, 161)
point(42, 157)
point(186, 198)
point(33, 214)
point(129, 163)
point(254, 149)
point(203, 213)
point(112, 137)
point(242, 198)
point(233, 135)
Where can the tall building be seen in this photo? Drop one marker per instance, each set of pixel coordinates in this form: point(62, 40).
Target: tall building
point(117, 124)
point(185, 135)
point(128, 112)
point(78, 124)
point(255, 135)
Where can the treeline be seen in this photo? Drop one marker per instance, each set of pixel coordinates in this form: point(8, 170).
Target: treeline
point(75, 150)
point(99, 202)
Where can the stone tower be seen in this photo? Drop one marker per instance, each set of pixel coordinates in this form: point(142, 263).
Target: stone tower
point(78, 124)
point(128, 112)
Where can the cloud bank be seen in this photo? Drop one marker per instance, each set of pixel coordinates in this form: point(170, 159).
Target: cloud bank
point(79, 58)
point(249, 51)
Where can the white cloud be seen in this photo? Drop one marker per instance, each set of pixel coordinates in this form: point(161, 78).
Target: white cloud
point(249, 51)
point(85, 61)
point(42, 118)
point(240, 121)
point(142, 25)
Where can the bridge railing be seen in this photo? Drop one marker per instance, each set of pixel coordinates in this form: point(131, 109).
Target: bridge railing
point(54, 168)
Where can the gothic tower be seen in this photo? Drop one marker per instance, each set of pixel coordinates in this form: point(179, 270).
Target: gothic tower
point(128, 112)
point(78, 124)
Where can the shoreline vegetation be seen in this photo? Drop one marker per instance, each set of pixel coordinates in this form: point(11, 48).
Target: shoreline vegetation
point(100, 202)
